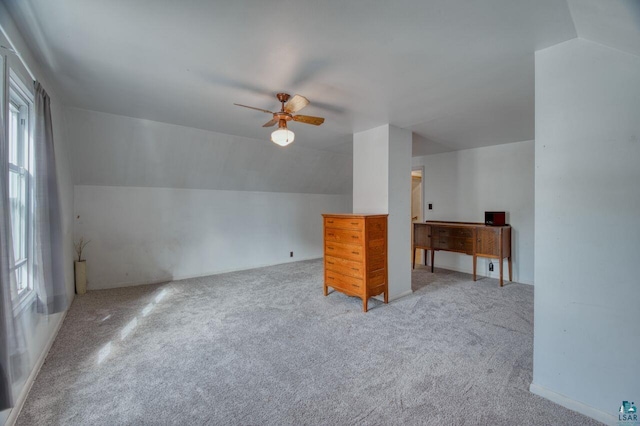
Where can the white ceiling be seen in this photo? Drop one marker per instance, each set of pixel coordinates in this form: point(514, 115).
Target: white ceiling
point(458, 73)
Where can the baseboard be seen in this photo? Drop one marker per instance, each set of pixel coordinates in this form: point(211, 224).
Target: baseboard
point(15, 411)
point(398, 296)
point(380, 297)
point(573, 405)
point(205, 274)
point(496, 276)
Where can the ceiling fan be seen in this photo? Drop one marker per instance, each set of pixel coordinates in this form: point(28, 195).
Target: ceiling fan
point(290, 105)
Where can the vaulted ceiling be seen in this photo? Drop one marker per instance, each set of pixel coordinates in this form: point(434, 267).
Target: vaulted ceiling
point(459, 74)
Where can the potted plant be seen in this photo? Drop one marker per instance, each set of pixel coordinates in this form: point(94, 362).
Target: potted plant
point(80, 267)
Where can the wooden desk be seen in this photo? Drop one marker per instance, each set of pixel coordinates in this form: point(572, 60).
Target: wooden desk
point(474, 239)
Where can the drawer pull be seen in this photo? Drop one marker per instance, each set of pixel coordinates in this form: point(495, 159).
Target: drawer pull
point(331, 234)
point(355, 285)
point(329, 248)
point(355, 269)
point(355, 236)
point(329, 221)
point(329, 276)
point(355, 252)
point(354, 223)
point(442, 242)
point(330, 263)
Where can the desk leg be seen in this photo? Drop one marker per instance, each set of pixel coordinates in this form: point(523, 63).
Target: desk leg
point(413, 259)
point(432, 252)
point(325, 290)
point(501, 268)
point(424, 252)
point(475, 258)
point(510, 276)
point(364, 304)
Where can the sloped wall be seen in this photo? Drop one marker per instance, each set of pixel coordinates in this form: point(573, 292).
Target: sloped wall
point(162, 202)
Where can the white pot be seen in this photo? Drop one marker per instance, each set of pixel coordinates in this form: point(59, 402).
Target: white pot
point(80, 268)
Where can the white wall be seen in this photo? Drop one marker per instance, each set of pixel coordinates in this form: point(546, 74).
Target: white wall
point(146, 235)
point(462, 185)
point(41, 329)
point(586, 335)
point(400, 143)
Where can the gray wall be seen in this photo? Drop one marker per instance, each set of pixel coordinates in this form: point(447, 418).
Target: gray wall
point(587, 227)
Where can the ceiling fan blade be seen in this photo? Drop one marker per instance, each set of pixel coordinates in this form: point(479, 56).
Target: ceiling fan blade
point(257, 109)
point(316, 121)
point(295, 104)
point(270, 123)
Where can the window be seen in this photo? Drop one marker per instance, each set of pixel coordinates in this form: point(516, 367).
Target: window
point(19, 140)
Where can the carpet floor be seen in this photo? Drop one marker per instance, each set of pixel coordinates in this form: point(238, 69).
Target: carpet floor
point(265, 347)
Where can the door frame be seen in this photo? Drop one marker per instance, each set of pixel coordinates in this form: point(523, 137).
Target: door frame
point(421, 170)
point(422, 209)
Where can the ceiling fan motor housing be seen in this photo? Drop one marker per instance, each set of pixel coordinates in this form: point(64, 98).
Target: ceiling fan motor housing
point(283, 97)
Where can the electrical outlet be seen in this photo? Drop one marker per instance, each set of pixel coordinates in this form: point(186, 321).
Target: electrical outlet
point(290, 254)
point(490, 266)
point(430, 206)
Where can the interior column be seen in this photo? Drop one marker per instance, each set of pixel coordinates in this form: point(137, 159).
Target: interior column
point(382, 184)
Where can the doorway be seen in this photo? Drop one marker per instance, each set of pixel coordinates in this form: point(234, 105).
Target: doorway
point(417, 185)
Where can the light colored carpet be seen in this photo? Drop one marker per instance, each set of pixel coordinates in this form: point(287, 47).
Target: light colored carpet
point(265, 347)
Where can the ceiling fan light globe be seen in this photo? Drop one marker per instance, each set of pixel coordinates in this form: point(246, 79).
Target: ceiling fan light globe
point(282, 137)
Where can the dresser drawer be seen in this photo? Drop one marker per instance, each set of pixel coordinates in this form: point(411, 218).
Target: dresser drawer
point(345, 267)
point(344, 283)
point(345, 251)
point(343, 223)
point(348, 236)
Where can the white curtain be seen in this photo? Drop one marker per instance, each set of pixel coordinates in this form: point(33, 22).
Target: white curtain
point(48, 264)
point(49, 279)
point(10, 349)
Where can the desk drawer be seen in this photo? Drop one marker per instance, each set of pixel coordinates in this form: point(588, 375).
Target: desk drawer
point(348, 236)
point(451, 243)
point(345, 267)
point(449, 231)
point(343, 223)
point(345, 251)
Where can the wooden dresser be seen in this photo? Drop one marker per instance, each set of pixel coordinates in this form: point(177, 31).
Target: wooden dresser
point(355, 255)
point(474, 239)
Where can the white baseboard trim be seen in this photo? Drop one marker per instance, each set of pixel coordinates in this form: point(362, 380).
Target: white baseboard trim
point(573, 405)
point(187, 277)
point(15, 411)
point(380, 297)
point(494, 275)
